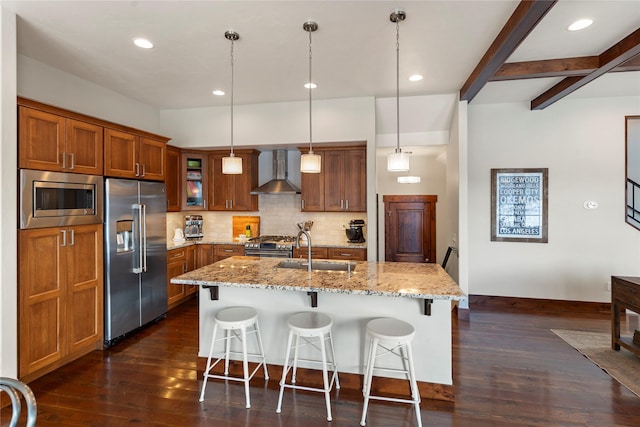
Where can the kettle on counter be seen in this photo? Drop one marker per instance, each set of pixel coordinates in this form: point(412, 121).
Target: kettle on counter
point(178, 236)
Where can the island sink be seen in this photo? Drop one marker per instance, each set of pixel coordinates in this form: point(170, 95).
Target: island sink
point(317, 265)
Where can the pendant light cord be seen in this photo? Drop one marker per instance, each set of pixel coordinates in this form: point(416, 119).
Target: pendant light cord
point(310, 88)
point(232, 42)
point(397, 85)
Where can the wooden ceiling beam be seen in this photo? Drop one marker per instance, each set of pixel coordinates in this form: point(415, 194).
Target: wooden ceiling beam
point(563, 67)
point(522, 21)
point(610, 59)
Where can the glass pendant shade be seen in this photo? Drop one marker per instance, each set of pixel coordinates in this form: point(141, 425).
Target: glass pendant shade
point(232, 165)
point(398, 162)
point(310, 163)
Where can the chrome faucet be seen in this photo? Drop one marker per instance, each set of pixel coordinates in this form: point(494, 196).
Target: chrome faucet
point(300, 233)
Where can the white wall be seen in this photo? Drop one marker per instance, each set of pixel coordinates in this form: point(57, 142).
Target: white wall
point(581, 141)
point(8, 197)
point(49, 85)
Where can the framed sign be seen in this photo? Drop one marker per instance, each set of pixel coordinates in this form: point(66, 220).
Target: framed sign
point(519, 205)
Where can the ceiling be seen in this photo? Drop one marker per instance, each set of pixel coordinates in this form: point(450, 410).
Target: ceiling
point(353, 49)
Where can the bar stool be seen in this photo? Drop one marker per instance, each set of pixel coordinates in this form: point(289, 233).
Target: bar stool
point(394, 337)
point(235, 321)
point(314, 329)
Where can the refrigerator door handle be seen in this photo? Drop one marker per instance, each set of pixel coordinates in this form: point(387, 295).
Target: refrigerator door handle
point(143, 240)
point(139, 268)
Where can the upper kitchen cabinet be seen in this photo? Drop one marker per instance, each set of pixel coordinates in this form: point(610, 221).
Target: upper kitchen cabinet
point(50, 141)
point(312, 189)
point(133, 156)
point(194, 170)
point(341, 186)
point(233, 192)
point(172, 178)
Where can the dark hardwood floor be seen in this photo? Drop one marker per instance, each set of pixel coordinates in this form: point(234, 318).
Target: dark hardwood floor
point(509, 370)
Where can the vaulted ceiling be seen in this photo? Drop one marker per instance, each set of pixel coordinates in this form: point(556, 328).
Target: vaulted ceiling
point(486, 51)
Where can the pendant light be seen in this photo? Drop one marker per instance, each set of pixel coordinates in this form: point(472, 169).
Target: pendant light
point(398, 161)
point(232, 165)
point(310, 162)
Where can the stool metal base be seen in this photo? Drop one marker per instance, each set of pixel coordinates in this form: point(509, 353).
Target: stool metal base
point(235, 321)
point(393, 337)
point(315, 330)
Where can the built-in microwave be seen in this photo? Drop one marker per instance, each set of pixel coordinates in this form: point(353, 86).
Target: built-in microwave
point(53, 199)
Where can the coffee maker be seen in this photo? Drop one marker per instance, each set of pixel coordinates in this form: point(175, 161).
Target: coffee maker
point(354, 232)
point(193, 227)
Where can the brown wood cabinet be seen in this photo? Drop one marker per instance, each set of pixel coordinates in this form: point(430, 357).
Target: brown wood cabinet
point(312, 188)
point(316, 252)
point(172, 179)
point(323, 252)
point(204, 255)
point(179, 261)
point(354, 254)
point(341, 186)
point(132, 156)
point(49, 141)
point(194, 182)
point(221, 252)
point(232, 192)
point(60, 296)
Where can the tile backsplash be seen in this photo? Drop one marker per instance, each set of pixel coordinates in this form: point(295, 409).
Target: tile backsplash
point(279, 214)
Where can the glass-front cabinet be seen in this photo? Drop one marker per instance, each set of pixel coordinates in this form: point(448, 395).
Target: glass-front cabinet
point(194, 166)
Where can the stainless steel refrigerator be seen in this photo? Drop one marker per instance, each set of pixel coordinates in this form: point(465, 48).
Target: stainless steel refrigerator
point(135, 256)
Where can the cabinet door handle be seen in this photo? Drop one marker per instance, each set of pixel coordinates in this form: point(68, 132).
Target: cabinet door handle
point(345, 255)
point(204, 201)
point(137, 169)
point(184, 266)
point(228, 250)
point(64, 160)
point(64, 237)
point(302, 203)
point(73, 237)
point(144, 169)
point(341, 204)
point(231, 204)
point(72, 157)
point(347, 204)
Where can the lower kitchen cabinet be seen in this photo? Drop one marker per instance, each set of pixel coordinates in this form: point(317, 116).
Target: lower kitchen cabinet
point(204, 255)
point(322, 252)
point(225, 251)
point(180, 261)
point(316, 252)
point(60, 296)
point(353, 254)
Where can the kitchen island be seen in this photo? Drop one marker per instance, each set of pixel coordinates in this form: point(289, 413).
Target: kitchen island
point(420, 294)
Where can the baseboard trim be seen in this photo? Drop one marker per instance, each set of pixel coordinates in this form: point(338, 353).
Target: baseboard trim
point(488, 302)
point(352, 382)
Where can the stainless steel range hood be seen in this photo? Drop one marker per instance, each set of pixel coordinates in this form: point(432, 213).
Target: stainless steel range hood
point(279, 184)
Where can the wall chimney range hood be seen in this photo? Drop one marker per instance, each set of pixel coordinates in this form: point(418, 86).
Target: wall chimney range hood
point(279, 184)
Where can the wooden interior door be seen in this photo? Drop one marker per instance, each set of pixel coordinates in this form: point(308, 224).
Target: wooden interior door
point(410, 228)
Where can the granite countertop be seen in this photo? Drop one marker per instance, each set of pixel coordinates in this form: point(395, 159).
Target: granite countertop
point(173, 245)
point(396, 279)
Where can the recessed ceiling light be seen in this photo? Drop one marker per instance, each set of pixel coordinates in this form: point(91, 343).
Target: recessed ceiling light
point(415, 78)
point(310, 85)
point(143, 43)
point(580, 24)
point(218, 92)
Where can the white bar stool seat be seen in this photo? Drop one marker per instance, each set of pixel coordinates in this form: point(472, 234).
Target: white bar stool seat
point(394, 337)
point(237, 323)
point(315, 329)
